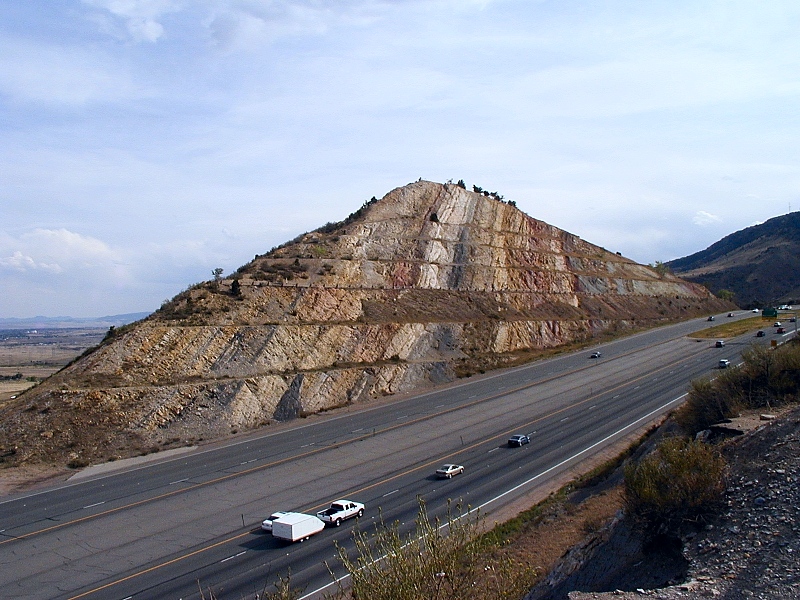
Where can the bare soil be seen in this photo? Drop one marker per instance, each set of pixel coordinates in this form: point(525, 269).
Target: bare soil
point(719, 560)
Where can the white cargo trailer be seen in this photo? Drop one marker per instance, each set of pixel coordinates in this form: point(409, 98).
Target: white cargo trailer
point(296, 527)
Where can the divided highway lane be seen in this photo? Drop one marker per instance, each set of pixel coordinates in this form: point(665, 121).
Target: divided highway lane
point(154, 481)
point(490, 468)
point(242, 493)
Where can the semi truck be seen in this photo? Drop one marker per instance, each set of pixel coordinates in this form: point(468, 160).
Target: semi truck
point(296, 527)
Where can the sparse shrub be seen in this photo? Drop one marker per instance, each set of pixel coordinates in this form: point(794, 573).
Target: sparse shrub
point(437, 560)
point(709, 402)
point(769, 377)
point(774, 374)
point(680, 481)
point(726, 295)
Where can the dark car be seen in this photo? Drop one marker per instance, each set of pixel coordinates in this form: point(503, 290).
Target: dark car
point(719, 344)
point(711, 318)
point(759, 333)
point(780, 330)
point(730, 314)
point(596, 355)
point(515, 441)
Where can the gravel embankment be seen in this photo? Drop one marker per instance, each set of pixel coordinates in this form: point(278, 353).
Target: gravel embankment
point(752, 549)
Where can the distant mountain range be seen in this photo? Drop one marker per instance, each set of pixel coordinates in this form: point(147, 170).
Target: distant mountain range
point(70, 322)
point(759, 264)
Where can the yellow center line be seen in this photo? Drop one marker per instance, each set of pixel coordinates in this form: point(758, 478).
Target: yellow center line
point(426, 465)
point(335, 445)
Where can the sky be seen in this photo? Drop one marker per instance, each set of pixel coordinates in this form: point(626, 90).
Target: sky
point(144, 143)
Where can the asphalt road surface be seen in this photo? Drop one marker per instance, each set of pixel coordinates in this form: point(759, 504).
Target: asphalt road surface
point(173, 527)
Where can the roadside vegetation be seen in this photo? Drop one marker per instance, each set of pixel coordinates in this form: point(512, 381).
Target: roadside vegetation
point(677, 486)
point(674, 487)
point(437, 560)
point(768, 378)
point(681, 482)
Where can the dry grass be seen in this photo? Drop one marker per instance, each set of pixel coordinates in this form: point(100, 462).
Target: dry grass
point(540, 543)
point(505, 562)
point(733, 328)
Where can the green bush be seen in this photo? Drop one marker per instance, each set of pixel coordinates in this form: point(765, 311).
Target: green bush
point(680, 481)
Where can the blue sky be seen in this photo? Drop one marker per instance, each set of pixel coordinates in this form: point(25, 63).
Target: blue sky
point(145, 142)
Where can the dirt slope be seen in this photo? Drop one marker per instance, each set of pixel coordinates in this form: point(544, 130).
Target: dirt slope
point(749, 551)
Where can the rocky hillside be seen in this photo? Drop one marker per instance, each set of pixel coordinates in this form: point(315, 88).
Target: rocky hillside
point(427, 284)
point(749, 550)
point(759, 264)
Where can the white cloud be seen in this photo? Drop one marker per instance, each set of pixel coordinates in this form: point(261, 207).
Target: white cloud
point(704, 219)
point(245, 25)
point(18, 262)
point(52, 74)
point(140, 17)
point(57, 251)
point(200, 132)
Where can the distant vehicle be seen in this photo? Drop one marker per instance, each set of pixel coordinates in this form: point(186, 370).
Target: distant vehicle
point(447, 471)
point(776, 324)
point(596, 355)
point(515, 441)
point(730, 314)
point(793, 320)
point(780, 330)
point(341, 510)
point(719, 344)
point(711, 318)
point(723, 364)
point(759, 333)
point(783, 307)
point(755, 310)
point(296, 527)
point(266, 524)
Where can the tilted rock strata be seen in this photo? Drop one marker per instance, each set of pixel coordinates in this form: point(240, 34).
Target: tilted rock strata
point(428, 282)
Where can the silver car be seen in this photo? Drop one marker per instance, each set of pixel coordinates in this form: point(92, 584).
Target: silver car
point(448, 470)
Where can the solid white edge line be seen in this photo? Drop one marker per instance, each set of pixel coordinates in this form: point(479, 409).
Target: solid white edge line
point(197, 452)
point(585, 450)
point(524, 483)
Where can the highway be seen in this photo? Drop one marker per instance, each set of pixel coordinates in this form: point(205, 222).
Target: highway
point(167, 528)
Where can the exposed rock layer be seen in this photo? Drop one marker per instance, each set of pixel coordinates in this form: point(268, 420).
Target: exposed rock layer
point(428, 283)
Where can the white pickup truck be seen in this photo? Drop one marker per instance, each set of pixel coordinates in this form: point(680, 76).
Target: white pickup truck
point(341, 510)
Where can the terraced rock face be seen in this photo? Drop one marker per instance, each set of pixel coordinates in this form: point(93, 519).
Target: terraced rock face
point(429, 283)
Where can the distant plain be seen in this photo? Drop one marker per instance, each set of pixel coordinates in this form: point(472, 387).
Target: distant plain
point(38, 353)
